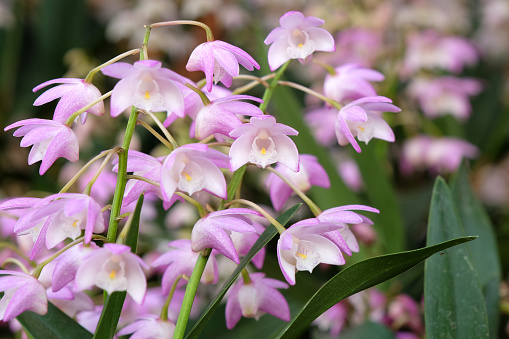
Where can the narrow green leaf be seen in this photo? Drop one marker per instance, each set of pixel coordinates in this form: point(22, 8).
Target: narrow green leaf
point(263, 240)
point(114, 302)
point(356, 278)
point(382, 196)
point(54, 325)
point(235, 182)
point(453, 299)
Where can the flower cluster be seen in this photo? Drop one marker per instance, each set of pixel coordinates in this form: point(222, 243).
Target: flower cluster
point(75, 249)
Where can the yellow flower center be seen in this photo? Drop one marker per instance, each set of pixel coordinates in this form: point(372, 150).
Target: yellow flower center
point(147, 95)
point(302, 256)
point(113, 274)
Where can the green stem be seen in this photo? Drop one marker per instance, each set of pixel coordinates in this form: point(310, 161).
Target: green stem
point(93, 72)
point(202, 95)
point(121, 176)
point(84, 168)
point(15, 249)
point(192, 286)
point(246, 277)
point(320, 96)
point(164, 311)
point(280, 228)
point(312, 206)
point(210, 36)
point(144, 45)
point(163, 129)
point(273, 84)
point(92, 181)
point(198, 206)
point(16, 262)
point(154, 133)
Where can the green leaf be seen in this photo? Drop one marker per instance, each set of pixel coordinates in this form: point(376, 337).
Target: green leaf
point(54, 325)
point(453, 299)
point(484, 250)
point(356, 278)
point(263, 240)
point(114, 302)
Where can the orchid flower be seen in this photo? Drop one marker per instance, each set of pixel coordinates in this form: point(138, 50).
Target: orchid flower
point(254, 299)
point(297, 38)
point(220, 62)
point(49, 139)
point(262, 141)
point(74, 94)
point(145, 85)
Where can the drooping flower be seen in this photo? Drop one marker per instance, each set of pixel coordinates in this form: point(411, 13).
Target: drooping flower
point(262, 141)
point(145, 85)
point(333, 319)
point(297, 38)
point(360, 119)
point(22, 292)
point(192, 168)
point(343, 216)
point(322, 121)
point(214, 230)
point(304, 245)
point(50, 139)
point(220, 116)
point(113, 268)
point(74, 94)
point(436, 154)
point(445, 95)
point(149, 327)
point(181, 259)
point(310, 173)
point(254, 299)
point(351, 82)
point(219, 61)
point(430, 50)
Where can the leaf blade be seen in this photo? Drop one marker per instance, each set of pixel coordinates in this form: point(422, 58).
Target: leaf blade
point(356, 278)
point(453, 299)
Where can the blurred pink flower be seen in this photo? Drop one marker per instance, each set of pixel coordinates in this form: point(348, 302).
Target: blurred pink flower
point(262, 142)
point(349, 171)
point(297, 38)
point(49, 139)
point(145, 85)
point(356, 45)
point(322, 121)
point(445, 95)
point(256, 298)
point(351, 82)
point(220, 62)
point(430, 50)
point(436, 154)
point(333, 320)
point(74, 94)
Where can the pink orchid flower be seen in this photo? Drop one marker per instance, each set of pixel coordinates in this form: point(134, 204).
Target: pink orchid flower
point(297, 38)
point(49, 139)
point(220, 62)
